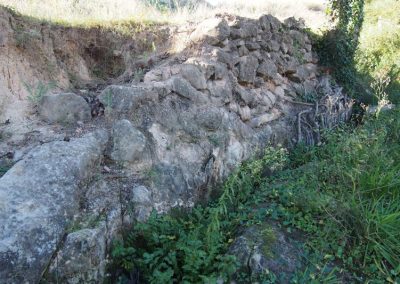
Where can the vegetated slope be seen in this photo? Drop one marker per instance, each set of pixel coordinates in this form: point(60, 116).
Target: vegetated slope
point(378, 55)
point(343, 197)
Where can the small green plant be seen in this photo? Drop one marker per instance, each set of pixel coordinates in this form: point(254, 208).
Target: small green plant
point(297, 53)
point(24, 37)
point(152, 175)
point(4, 169)
point(37, 92)
point(215, 140)
point(138, 75)
point(311, 96)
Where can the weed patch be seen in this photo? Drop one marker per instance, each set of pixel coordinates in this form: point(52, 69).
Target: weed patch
point(344, 196)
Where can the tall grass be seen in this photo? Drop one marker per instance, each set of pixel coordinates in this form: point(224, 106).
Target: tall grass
point(102, 12)
point(350, 189)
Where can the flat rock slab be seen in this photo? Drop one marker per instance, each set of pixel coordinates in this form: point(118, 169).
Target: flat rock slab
point(38, 197)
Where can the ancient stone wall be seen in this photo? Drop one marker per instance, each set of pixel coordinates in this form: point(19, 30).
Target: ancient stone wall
point(239, 85)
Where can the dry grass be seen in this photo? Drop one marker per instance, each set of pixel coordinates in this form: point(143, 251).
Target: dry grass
point(102, 12)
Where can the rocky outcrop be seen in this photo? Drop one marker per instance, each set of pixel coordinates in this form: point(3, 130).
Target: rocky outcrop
point(38, 198)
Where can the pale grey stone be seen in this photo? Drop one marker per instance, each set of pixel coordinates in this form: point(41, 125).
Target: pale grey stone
point(267, 69)
point(247, 69)
point(129, 143)
point(193, 75)
point(38, 197)
point(64, 108)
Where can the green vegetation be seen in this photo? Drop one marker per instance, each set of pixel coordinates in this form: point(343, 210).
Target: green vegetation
point(364, 47)
point(37, 92)
point(344, 196)
point(190, 246)
point(4, 169)
point(379, 48)
point(337, 46)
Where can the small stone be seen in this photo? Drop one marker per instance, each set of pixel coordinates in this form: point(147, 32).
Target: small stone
point(251, 45)
point(185, 89)
point(106, 169)
point(193, 75)
point(141, 195)
point(245, 95)
point(267, 69)
point(247, 69)
point(243, 51)
point(265, 118)
point(129, 143)
point(279, 92)
point(245, 113)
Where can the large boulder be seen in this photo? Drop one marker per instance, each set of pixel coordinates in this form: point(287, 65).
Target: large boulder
point(121, 99)
point(184, 89)
point(64, 108)
point(267, 69)
point(87, 248)
point(38, 198)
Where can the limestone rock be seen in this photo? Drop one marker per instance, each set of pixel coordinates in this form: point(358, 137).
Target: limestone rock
point(38, 197)
point(267, 69)
point(142, 202)
point(193, 75)
point(220, 89)
point(245, 30)
point(122, 99)
point(265, 118)
point(129, 143)
point(210, 118)
point(64, 108)
point(185, 89)
point(82, 258)
point(247, 69)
